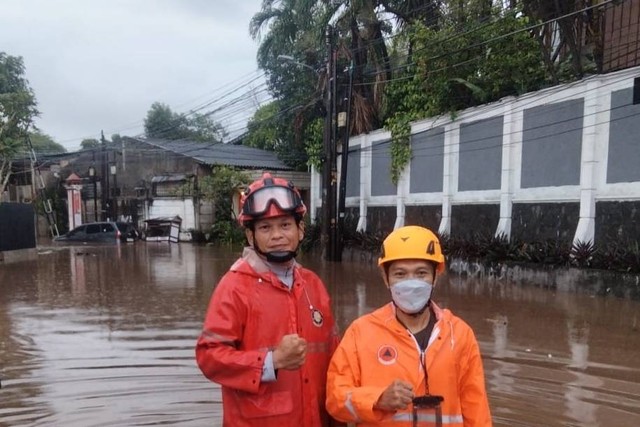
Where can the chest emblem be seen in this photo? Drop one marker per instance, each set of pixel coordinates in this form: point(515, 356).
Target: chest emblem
point(387, 355)
point(317, 317)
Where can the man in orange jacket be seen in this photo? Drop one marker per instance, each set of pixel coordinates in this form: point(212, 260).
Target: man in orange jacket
point(409, 363)
point(269, 332)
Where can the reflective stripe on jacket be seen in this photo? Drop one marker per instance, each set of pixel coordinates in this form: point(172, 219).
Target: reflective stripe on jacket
point(249, 313)
point(377, 349)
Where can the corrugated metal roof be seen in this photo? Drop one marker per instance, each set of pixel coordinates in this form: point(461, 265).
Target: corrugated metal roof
point(220, 154)
point(175, 177)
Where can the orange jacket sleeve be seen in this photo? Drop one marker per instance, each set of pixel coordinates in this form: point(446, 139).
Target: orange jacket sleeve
point(347, 400)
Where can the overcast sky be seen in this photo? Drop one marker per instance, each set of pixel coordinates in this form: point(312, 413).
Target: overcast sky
point(99, 65)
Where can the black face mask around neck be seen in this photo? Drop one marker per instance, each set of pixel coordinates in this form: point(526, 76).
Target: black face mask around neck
point(279, 256)
point(276, 256)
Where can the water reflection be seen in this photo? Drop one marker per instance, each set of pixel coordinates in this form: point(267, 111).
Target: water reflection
point(579, 391)
point(503, 375)
point(566, 358)
point(104, 336)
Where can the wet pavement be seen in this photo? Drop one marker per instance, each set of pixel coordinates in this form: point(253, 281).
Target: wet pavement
point(104, 336)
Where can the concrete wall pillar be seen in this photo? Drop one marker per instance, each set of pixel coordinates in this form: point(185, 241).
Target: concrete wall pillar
point(402, 194)
point(511, 144)
point(73, 185)
point(595, 130)
point(450, 174)
point(365, 182)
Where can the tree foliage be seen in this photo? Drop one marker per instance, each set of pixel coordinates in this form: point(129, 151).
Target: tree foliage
point(89, 143)
point(44, 144)
point(291, 51)
point(297, 29)
point(269, 129)
point(263, 129)
point(414, 59)
point(162, 123)
point(221, 187)
point(18, 108)
point(466, 61)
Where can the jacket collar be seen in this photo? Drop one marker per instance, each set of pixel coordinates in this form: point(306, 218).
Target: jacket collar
point(253, 264)
point(387, 314)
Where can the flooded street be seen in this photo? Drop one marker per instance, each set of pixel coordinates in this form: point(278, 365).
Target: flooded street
point(105, 335)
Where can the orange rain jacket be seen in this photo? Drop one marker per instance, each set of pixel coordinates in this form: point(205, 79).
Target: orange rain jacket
point(377, 349)
point(249, 313)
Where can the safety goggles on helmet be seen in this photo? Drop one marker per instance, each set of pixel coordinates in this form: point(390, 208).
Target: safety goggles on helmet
point(258, 202)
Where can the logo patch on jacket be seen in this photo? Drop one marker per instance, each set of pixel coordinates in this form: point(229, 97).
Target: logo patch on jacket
point(317, 317)
point(387, 355)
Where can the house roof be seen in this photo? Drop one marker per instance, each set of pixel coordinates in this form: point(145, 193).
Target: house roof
point(219, 153)
point(174, 177)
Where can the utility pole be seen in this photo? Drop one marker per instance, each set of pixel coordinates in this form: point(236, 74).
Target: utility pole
point(333, 155)
point(114, 172)
point(105, 179)
point(329, 166)
point(92, 175)
point(343, 167)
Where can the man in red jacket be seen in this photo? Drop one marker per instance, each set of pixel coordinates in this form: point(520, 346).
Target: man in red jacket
point(269, 331)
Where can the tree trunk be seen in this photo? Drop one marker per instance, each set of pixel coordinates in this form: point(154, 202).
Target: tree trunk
point(569, 33)
point(5, 173)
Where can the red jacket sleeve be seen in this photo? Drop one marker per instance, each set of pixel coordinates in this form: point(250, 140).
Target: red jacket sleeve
point(218, 350)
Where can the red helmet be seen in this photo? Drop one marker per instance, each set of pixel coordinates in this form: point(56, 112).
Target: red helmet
point(269, 197)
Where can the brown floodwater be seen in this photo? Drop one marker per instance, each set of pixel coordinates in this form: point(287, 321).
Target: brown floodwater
point(104, 336)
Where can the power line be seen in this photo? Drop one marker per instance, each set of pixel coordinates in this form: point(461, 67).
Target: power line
point(243, 82)
point(381, 146)
point(480, 44)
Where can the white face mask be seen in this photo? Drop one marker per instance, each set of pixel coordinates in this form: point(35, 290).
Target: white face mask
point(411, 295)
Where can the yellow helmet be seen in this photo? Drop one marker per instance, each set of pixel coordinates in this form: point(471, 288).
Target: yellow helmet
point(412, 242)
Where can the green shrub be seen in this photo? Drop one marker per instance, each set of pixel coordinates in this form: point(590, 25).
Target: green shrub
point(226, 232)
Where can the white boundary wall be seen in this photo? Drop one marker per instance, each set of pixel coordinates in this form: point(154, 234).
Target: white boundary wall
point(595, 91)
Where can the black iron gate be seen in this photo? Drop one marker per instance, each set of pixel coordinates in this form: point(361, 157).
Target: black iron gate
point(17, 226)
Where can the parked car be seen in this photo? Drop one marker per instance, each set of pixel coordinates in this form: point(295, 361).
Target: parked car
point(95, 232)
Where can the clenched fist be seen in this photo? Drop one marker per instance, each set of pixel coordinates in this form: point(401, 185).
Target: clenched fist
point(290, 353)
point(397, 396)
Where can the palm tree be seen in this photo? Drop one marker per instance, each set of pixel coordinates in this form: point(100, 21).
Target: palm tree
point(366, 28)
point(569, 35)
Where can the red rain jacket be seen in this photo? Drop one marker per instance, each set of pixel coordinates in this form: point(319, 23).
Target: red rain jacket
point(377, 349)
point(249, 313)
